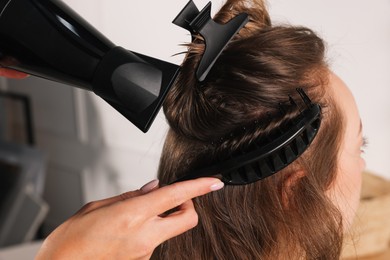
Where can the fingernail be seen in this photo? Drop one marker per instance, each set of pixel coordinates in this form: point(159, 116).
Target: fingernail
point(217, 186)
point(149, 186)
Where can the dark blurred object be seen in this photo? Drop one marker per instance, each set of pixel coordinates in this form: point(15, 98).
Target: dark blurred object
point(22, 176)
point(22, 173)
point(15, 107)
point(9, 173)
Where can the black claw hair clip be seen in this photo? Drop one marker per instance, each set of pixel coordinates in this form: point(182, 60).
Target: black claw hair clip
point(216, 36)
point(265, 158)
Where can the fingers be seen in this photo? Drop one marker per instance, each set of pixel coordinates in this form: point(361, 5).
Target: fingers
point(177, 223)
point(124, 196)
point(12, 74)
point(176, 194)
point(138, 211)
point(185, 218)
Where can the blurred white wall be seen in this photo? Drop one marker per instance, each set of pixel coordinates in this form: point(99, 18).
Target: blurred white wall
point(357, 33)
point(358, 38)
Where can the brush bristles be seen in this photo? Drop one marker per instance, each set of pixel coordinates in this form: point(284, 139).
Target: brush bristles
point(276, 160)
point(262, 160)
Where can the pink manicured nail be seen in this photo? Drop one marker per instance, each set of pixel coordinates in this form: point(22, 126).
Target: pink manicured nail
point(217, 186)
point(150, 186)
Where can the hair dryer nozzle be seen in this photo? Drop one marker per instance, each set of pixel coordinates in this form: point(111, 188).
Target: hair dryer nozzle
point(134, 84)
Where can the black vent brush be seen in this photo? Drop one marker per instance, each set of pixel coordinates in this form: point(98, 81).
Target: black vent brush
point(264, 159)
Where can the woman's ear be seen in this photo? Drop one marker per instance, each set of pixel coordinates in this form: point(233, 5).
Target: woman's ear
point(289, 187)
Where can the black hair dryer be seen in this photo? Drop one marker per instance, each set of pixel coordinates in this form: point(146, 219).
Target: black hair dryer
point(47, 39)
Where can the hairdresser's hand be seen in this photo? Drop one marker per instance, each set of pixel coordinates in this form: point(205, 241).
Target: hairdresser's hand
point(12, 74)
point(128, 226)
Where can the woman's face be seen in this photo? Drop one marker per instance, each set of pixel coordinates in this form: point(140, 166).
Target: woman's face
point(345, 192)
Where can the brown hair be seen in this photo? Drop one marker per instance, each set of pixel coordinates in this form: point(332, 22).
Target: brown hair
point(274, 218)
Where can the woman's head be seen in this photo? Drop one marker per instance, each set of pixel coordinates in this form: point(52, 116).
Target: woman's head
point(291, 212)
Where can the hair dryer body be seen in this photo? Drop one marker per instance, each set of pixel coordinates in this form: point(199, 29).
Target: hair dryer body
point(47, 39)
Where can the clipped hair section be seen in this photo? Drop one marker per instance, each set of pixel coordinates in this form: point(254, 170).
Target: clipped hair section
point(249, 80)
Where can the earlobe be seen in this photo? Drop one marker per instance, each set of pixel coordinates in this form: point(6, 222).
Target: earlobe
point(289, 184)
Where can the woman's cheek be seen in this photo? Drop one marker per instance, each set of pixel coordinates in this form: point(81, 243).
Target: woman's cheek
point(362, 164)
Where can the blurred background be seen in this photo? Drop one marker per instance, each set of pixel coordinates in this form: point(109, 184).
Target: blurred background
point(86, 150)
